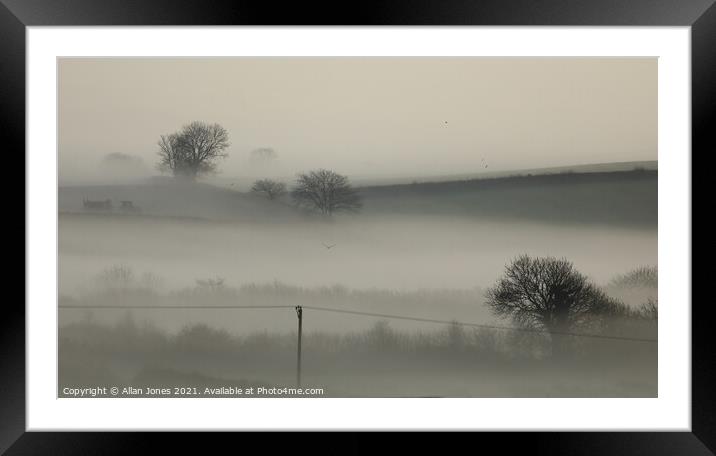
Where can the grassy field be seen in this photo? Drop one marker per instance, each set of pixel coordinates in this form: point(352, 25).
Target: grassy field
point(446, 361)
point(425, 250)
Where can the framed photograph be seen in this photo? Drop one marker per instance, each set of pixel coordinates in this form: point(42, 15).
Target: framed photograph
point(417, 218)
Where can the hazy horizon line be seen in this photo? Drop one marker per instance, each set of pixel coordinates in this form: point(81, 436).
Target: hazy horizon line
point(355, 176)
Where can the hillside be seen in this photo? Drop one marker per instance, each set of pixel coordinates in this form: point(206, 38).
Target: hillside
point(627, 198)
point(167, 198)
point(488, 173)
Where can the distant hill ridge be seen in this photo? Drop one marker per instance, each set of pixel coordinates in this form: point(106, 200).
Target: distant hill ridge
point(627, 198)
point(491, 174)
point(177, 199)
point(622, 198)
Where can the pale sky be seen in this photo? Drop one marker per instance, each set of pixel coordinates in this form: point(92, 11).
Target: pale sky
point(363, 116)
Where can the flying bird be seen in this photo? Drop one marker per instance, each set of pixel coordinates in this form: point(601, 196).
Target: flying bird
point(328, 246)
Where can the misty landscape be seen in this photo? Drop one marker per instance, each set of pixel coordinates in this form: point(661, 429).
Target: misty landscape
point(427, 255)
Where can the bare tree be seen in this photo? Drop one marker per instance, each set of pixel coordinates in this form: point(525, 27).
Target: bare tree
point(262, 155)
point(650, 309)
point(193, 150)
point(637, 288)
point(123, 164)
point(272, 189)
point(117, 278)
point(326, 191)
point(644, 276)
point(549, 293)
point(216, 285)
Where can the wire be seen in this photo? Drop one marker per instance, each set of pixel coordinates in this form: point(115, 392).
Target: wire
point(124, 306)
point(477, 325)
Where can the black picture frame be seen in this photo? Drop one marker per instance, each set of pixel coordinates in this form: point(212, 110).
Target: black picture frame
point(700, 15)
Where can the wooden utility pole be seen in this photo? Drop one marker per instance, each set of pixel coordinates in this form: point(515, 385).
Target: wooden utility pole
point(299, 313)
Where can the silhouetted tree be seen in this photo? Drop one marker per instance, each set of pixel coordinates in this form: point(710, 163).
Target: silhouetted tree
point(326, 191)
point(117, 278)
point(644, 276)
point(270, 188)
point(650, 309)
point(638, 288)
point(262, 155)
point(211, 285)
point(549, 293)
point(193, 150)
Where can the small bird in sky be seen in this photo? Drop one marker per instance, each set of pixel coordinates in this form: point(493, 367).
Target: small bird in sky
point(328, 246)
